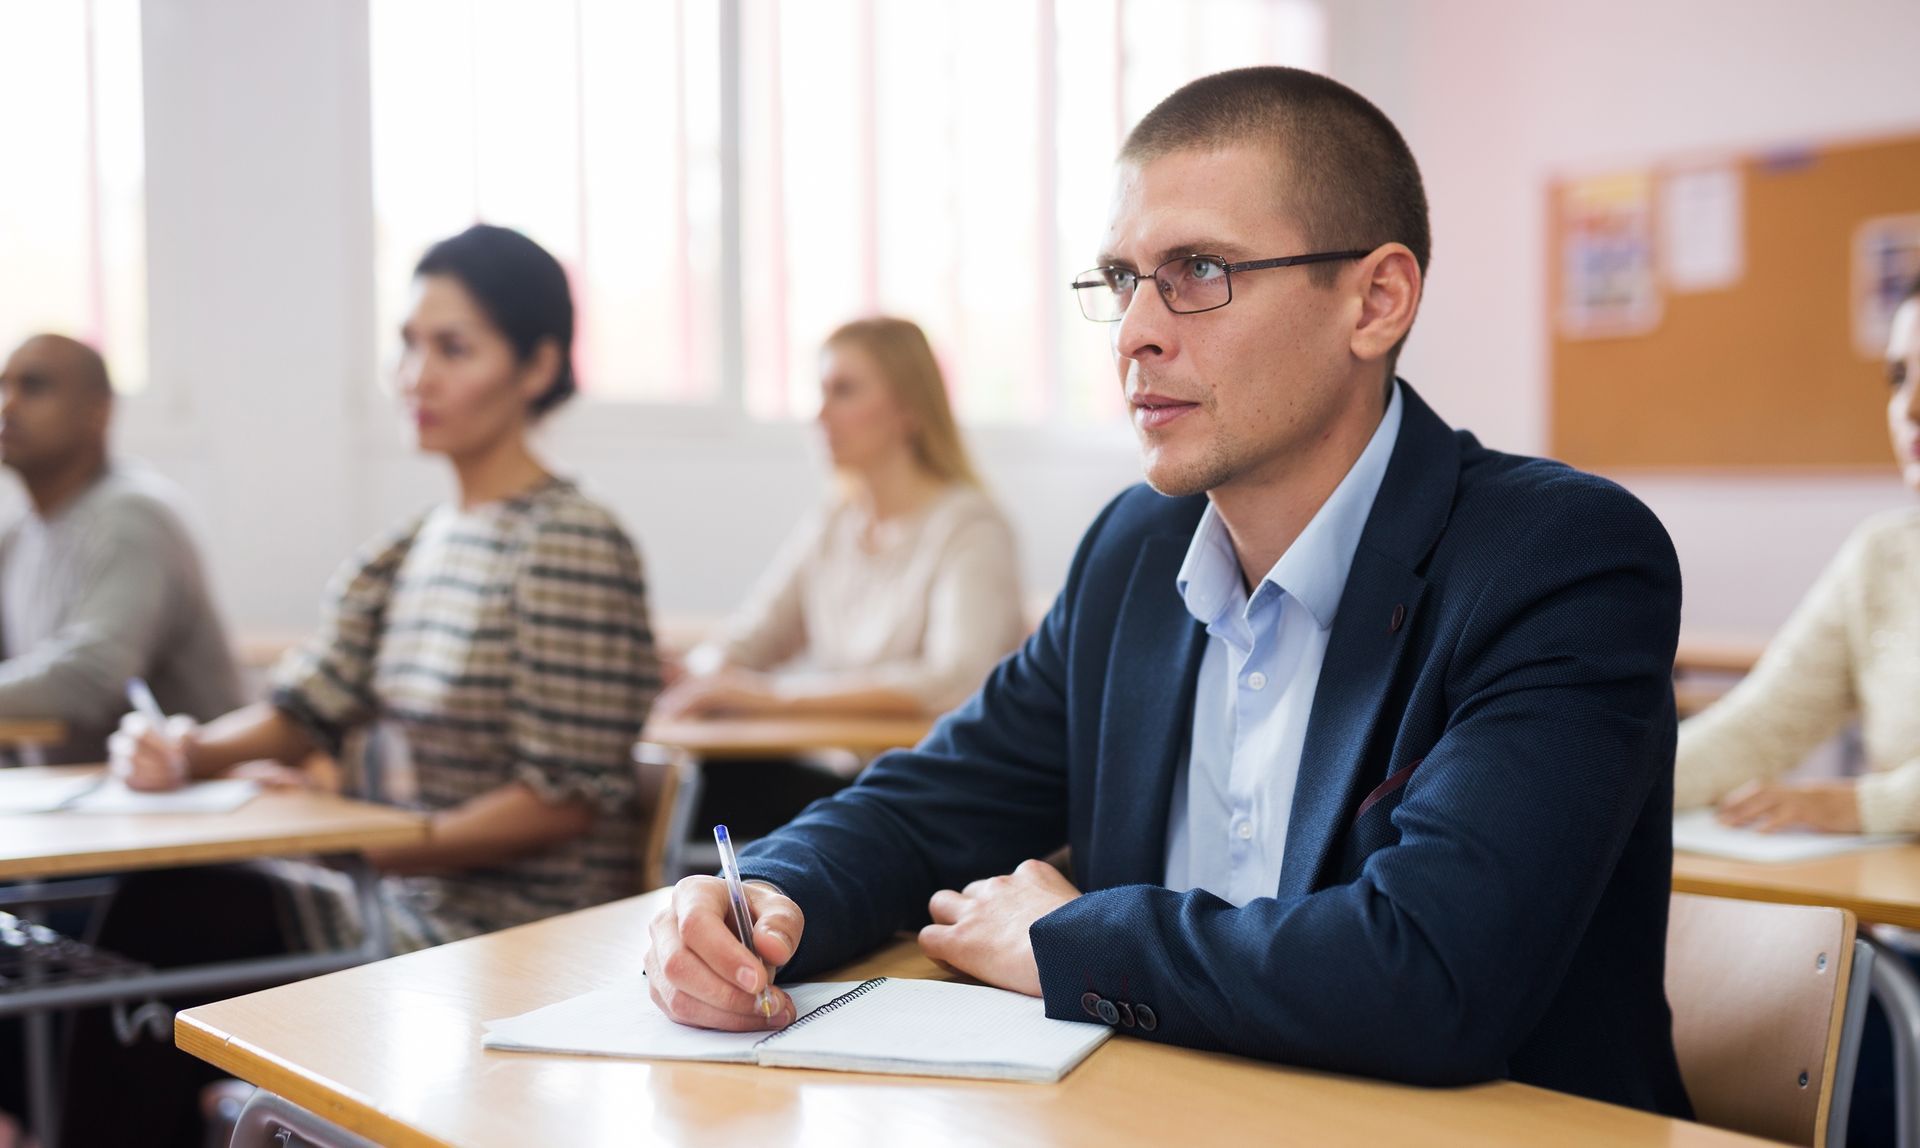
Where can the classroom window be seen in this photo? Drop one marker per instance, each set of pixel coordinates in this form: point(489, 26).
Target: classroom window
point(592, 126)
point(950, 163)
point(943, 161)
point(79, 175)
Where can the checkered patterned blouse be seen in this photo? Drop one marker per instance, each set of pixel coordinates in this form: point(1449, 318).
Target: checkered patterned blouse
point(506, 643)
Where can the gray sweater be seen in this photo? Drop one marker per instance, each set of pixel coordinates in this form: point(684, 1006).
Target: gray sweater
point(111, 586)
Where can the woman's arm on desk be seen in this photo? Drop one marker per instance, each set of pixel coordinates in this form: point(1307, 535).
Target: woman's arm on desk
point(499, 825)
point(1799, 694)
point(150, 758)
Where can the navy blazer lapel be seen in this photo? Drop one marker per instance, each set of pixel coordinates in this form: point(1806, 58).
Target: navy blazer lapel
point(1370, 632)
point(1145, 719)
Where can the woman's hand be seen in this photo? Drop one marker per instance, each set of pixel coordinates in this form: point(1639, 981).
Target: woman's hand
point(725, 691)
point(151, 758)
point(1771, 806)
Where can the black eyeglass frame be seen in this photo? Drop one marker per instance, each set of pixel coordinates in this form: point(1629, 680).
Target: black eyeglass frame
point(1081, 283)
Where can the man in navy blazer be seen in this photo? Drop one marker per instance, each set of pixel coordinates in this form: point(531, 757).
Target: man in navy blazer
point(1391, 796)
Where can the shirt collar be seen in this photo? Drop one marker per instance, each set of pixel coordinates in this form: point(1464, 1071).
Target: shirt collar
point(1314, 569)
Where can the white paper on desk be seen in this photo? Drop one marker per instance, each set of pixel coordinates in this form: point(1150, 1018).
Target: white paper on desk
point(30, 794)
point(222, 796)
point(935, 1028)
point(1696, 831)
point(623, 1021)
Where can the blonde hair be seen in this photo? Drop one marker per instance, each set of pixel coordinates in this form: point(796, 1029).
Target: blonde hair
point(900, 349)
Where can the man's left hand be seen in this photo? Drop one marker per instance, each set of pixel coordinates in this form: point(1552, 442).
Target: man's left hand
point(982, 929)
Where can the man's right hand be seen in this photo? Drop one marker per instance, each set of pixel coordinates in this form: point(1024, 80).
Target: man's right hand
point(147, 758)
point(698, 971)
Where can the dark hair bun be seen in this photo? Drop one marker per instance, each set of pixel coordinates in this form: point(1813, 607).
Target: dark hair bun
point(523, 290)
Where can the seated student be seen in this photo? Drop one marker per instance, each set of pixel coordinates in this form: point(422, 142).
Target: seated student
point(100, 581)
point(1846, 654)
point(503, 636)
point(1848, 651)
point(901, 592)
point(895, 597)
point(1361, 733)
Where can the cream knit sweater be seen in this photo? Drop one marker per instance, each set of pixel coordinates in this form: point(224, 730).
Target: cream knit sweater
point(1851, 649)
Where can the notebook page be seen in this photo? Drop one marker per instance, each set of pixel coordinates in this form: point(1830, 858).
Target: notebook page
point(37, 794)
point(623, 1021)
point(1696, 831)
point(935, 1028)
point(222, 796)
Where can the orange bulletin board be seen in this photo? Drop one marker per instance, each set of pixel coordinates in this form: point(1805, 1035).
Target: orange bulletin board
point(1721, 315)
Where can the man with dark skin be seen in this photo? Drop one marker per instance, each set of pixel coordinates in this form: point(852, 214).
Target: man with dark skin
point(100, 581)
point(56, 404)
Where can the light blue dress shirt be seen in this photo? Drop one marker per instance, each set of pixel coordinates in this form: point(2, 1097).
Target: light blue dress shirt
point(1233, 796)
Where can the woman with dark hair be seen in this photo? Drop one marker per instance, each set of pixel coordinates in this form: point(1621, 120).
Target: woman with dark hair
point(499, 647)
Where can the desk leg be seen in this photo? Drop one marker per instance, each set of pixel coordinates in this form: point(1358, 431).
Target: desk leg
point(1898, 991)
point(376, 940)
point(43, 1110)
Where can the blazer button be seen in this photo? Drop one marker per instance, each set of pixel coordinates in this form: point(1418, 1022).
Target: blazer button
point(1108, 1012)
point(1090, 1004)
point(1126, 1015)
point(1148, 1021)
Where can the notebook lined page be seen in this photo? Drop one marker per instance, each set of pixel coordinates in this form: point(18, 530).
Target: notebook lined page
point(1698, 831)
point(623, 1021)
point(935, 1028)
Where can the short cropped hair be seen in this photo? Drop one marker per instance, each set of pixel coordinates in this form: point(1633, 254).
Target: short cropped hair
point(1348, 174)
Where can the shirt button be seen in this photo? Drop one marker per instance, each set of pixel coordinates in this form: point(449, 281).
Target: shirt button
point(1257, 680)
point(1244, 830)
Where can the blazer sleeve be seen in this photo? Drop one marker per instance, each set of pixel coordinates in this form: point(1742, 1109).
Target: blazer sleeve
point(985, 791)
point(1434, 964)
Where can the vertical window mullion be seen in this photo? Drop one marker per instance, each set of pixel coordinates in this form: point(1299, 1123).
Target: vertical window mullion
point(1047, 268)
point(733, 371)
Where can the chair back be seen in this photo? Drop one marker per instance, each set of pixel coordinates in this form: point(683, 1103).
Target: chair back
point(1760, 996)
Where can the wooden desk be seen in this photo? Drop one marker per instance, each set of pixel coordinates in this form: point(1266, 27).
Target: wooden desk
point(714, 739)
point(1717, 654)
point(1881, 886)
point(274, 824)
point(392, 1051)
point(31, 731)
point(35, 846)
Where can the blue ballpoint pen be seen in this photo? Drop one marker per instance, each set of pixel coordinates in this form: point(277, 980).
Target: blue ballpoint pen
point(742, 915)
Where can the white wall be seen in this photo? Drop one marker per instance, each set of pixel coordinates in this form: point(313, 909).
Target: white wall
point(1496, 96)
point(260, 250)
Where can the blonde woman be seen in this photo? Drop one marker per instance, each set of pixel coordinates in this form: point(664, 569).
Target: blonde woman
point(901, 592)
point(896, 597)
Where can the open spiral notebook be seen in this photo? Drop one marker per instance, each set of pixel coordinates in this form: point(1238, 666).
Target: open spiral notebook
point(888, 1025)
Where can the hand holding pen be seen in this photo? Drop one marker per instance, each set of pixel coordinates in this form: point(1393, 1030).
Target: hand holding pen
point(699, 971)
point(149, 750)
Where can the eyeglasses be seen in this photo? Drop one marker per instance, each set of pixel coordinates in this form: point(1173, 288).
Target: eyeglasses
point(1189, 284)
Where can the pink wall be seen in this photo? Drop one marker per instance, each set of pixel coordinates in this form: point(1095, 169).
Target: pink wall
point(1497, 95)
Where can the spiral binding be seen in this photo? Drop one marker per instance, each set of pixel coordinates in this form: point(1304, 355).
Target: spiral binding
point(848, 997)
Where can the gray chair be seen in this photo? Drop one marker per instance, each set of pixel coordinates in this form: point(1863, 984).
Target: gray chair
point(271, 1122)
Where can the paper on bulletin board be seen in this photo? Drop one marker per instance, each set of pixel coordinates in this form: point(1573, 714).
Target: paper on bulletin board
point(1607, 275)
point(1702, 229)
point(1886, 259)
